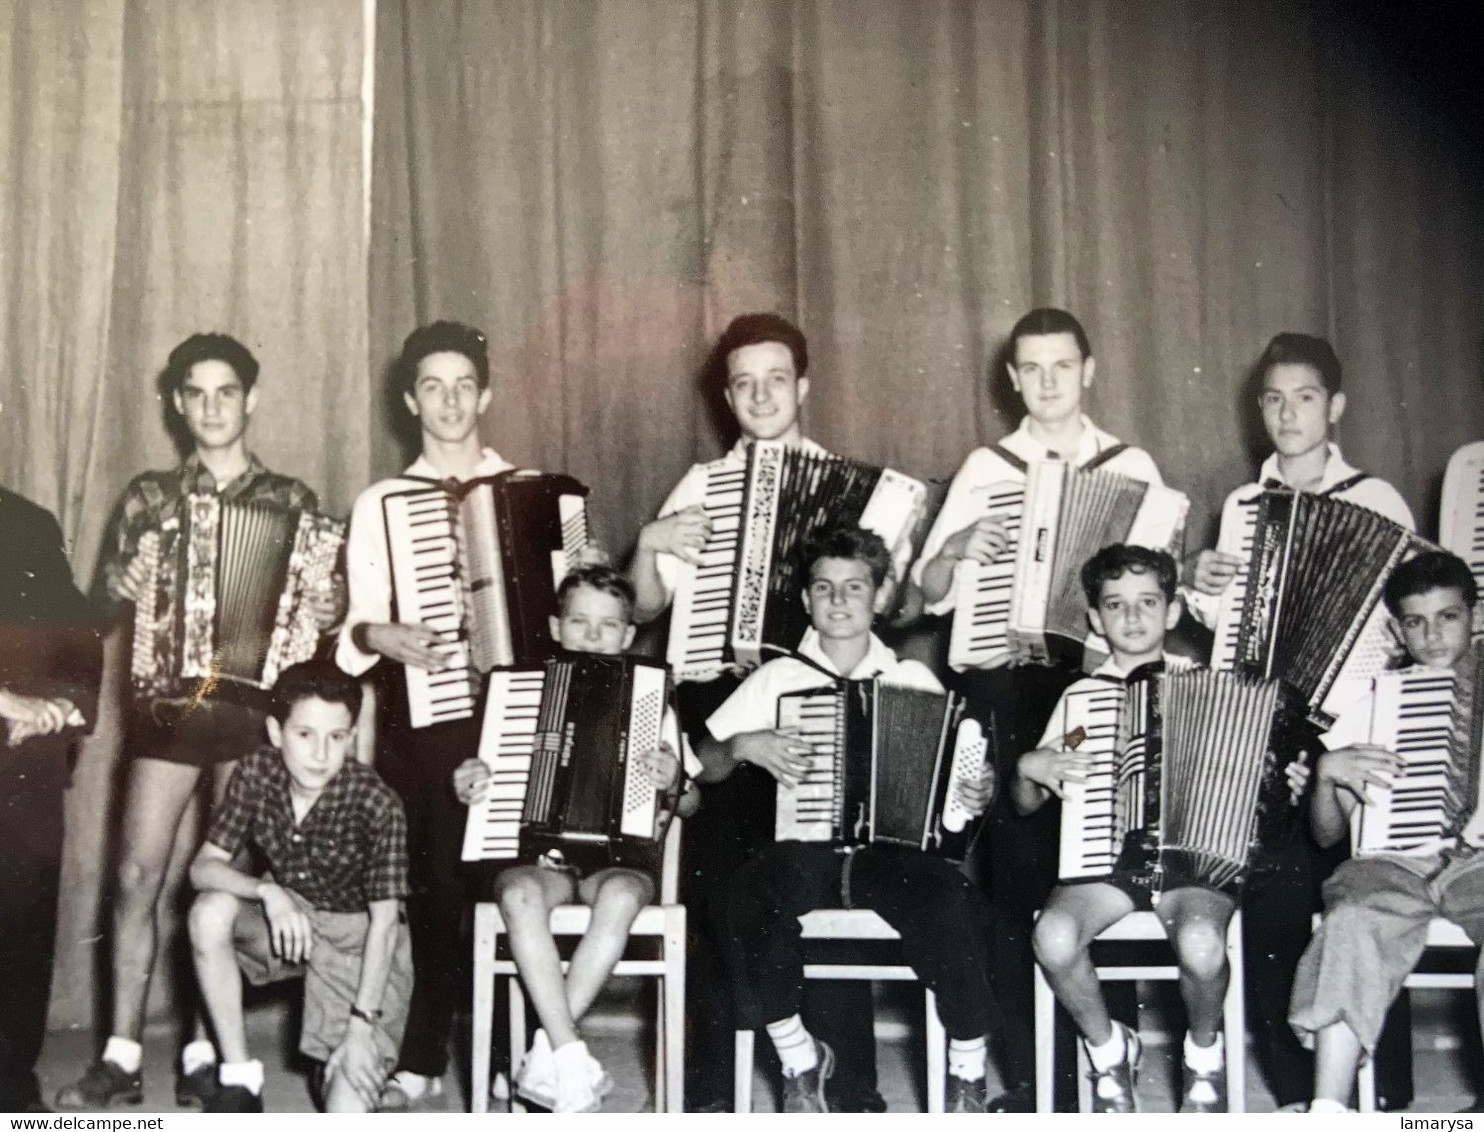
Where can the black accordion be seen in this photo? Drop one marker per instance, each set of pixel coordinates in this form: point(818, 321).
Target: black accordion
point(1305, 607)
point(1180, 770)
point(1028, 606)
point(746, 592)
point(480, 562)
point(884, 769)
point(1434, 721)
point(563, 743)
point(226, 599)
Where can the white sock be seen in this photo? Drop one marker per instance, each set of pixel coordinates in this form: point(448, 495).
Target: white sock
point(794, 1044)
point(1110, 1053)
point(968, 1058)
point(1204, 1059)
point(1324, 1104)
point(196, 1054)
point(415, 1086)
point(246, 1074)
point(125, 1054)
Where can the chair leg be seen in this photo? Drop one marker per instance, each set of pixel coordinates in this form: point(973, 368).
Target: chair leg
point(937, 1055)
point(1045, 1044)
point(485, 940)
point(1235, 1020)
point(517, 1037)
point(661, 1070)
point(1084, 1077)
point(673, 1008)
point(1365, 1085)
point(742, 1071)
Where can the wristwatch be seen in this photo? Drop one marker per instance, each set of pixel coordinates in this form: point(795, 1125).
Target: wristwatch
point(372, 1016)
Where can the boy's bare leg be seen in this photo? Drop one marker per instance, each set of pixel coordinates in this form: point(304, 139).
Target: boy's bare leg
point(616, 896)
point(527, 894)
point(1336, 1057)
point(342, 1097)
point(1195, 920)
point(1073, 916)
point(158, 794)
point(212, 920)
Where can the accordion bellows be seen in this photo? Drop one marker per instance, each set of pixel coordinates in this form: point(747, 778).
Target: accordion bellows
point(225, 602)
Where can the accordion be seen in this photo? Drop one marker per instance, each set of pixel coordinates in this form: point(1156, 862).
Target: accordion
point(479, 562)
point(1028, 606)
point(885, 766)
point(745, 593)
point(1461, 518)
point(1434, 721)
point(1179, 770)
point(563, 743)
point(1305, 607)
point(225, 601)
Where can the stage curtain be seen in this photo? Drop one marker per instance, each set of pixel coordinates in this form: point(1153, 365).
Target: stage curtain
point(601, 185)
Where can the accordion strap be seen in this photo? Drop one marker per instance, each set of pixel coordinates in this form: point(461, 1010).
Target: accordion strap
point(1009, 457)
point(1104, 456)
point(794, 654)
point(1347, 484)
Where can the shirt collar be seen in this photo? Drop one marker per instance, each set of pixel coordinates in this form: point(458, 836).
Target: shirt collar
point(738, 451)
point(490, 463)
point(330, 798)
point(878, 658)
point(1111, 668)
point(1029, 449)
point(200, 481)
point(1336, 470)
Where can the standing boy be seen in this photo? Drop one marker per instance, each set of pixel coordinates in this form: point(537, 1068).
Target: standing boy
point(170, 744)
point(328, 909)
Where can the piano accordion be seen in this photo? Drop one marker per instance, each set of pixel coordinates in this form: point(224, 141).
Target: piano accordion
point(563, 743)
point(226, 597)
point(480, 563)
point(1434, 721)
point(746, 591)
point(1180, 768)
point(1305, 606)
point(884, 769)
point(1461, 519)
point(1028, 607)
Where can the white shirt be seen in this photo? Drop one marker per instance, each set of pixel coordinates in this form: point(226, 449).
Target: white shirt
point(368, 570)
point(754, 705)
point(691, 491)
point(1064, 721)
point(1371, 493)
point(965, 502)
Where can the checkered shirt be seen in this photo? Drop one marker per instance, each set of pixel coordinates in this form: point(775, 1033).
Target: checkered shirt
point(350, 849)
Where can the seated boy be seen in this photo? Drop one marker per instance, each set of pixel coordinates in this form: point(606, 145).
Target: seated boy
point(1131, 599)
point(1377, 908)
point(596, 604)
point(944, 922)
point(329, 909)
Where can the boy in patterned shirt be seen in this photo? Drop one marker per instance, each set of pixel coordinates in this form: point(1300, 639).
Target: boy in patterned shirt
point(328, 909)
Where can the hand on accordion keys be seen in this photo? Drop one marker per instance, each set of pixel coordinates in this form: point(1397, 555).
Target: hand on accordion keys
point(682, 534)
point(1213, 571)
point(1356, 767)
point(662, 766)
point(782, 752)
point(470, 778)
point(415, 645)
point(1052, 769)
point(982, 541)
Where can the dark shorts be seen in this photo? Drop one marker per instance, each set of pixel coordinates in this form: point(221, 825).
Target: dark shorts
point(1135, 891)
point(200, 735)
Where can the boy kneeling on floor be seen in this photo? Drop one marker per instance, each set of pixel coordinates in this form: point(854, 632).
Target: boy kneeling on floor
point(329, 909)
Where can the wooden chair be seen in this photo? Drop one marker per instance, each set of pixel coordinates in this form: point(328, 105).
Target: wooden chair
point(664, 921)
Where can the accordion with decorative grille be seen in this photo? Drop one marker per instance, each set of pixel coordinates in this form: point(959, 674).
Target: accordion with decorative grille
point(225, 604)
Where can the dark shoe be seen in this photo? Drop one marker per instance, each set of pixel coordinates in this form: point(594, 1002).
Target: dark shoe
point(1204, 1092)
point(1113, 1089)
point(1017, 1098)
point(868, 1101)
point(234, 1098)
point(805, 1093)
point(196, 1088)
point(103, 1084)
point(966, 1096)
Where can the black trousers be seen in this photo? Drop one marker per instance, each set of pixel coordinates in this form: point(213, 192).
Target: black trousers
point(419, 766)
point(736, 821)
point(31, 787)
point(944, 923)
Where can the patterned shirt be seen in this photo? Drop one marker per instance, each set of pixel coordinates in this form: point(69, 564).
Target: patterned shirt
point(349, 850)
point(153, 497)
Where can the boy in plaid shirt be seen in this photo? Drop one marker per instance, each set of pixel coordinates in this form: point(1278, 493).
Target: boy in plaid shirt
point(334, 839)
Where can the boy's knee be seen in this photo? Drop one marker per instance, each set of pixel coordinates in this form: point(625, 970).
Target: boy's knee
point(522, 893)
point(1056, 940)
point(136, 877)
point(213, 917)
point(1200, 948)
point(628, 889)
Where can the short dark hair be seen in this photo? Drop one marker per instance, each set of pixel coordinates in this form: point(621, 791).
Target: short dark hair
point(1430, 570)
point(605, 579)
point(443, 336)
point(1292, 348)
point(1115, 561)
point(1048, 320)
point(755, 329)
point(212, 347)
point(846, 540)
point(315, 679)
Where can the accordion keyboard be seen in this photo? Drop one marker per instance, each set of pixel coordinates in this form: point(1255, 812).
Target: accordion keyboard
point(809, 811)
point(1229, 619)
point(1413, 716)
point(699, 623)
point(981, 624)
point(506, 744)
point(1461, 518)
point(1089, 841)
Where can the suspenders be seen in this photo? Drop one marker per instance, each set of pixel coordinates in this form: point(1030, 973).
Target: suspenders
point(1020, 465)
